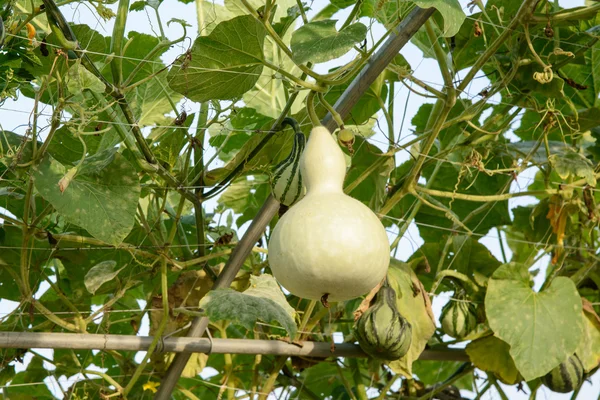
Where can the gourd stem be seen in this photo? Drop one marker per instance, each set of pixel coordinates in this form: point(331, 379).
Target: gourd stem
point(310, 108)
point(336, 116)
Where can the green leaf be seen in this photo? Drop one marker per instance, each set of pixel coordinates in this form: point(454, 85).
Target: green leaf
point(413, 303)
point(214, 14)
point(137, 6)
point(223, 65)
point(368, 104)
point(451, 11)
point(541, 328)
point(372, 190)
point(319, 41)
point(263, 301)
point(170, 141)
point(288, 21)
point(491, 354)
point(103, 203)
point(99, 274)
point(431, 372)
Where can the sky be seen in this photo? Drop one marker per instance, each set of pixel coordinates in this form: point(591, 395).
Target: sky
point(14, 116)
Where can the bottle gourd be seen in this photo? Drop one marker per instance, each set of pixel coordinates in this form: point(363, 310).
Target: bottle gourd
point(328, 245)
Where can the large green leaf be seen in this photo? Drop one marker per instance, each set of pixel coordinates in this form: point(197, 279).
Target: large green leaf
point(541, 328)
point(223, 65)
point(451, 11)
point(263, 301)
point(103, 203)
point(319, 41)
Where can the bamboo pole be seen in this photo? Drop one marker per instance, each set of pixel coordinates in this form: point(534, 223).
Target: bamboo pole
point(77, 341)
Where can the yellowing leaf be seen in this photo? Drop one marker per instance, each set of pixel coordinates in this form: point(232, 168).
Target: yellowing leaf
point(491, 354)
point(414, 305)
point(588, 350)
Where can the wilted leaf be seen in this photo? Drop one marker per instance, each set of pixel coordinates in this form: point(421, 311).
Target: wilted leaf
point(572, 164)
point(414, 305)
point(588, 350)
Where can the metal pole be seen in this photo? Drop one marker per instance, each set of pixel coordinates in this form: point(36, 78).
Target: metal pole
point(188, 345)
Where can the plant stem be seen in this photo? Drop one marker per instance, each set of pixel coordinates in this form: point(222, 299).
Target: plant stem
point(159, 331)
point(268, 386)
point(310, 108)
point(336, 117)
point(483, 198)
point(306, 316)
point(386, 388)
point(345, 382)
point(358, 381)
point(116, 43)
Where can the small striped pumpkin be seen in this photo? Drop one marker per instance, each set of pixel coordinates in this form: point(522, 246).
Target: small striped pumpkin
point(459, 316)
point(565, 378)
point(286, 181)
point(382, 332)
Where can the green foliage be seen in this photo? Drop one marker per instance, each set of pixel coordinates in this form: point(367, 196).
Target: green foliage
point(221, 65)
point(319, 41)
point(263, 301)
point(133, 168)
point(541, 328)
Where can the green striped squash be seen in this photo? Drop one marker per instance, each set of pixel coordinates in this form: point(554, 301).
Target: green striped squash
point(565, 378)
point(286, 180)
point(382, 332)
point(459, 316)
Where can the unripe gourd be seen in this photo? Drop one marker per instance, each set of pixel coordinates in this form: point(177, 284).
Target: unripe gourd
point(567, 377)
point(328, 245)
point(286, 180)
point(381, 331)
point(459, 316)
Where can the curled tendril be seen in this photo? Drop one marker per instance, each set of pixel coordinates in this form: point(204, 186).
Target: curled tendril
point(545, 76)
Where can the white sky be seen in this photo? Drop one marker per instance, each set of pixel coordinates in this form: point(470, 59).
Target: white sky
point(14, 115)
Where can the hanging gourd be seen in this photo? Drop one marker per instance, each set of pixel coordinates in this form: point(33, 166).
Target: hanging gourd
point(382, 332)
point(459, 315)
point(328, 246)
point(286, 179)
point(566, 377)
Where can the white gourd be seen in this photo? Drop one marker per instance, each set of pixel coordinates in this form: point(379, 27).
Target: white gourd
point(328, 243)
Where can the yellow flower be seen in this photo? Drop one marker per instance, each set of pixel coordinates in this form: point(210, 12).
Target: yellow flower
point(151, 386)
